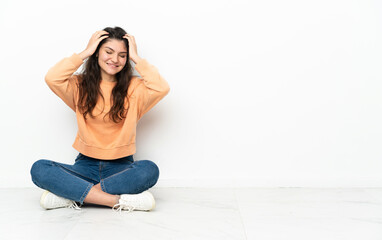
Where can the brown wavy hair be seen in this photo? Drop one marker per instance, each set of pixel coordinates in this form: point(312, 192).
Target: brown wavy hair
point(90, 79)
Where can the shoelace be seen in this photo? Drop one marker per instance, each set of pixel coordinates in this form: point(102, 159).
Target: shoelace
point(123, 207)
point(74, 206)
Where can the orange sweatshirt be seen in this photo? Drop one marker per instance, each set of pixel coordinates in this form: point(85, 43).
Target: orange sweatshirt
point(102, 138)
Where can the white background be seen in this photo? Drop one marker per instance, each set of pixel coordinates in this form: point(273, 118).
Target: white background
point(263, 93)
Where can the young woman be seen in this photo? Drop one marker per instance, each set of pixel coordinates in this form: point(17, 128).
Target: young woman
point(108, 102)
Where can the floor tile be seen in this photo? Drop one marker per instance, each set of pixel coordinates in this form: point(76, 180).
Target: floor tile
point(299, 213)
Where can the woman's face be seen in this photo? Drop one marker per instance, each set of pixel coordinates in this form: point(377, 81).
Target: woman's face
point(112, 57)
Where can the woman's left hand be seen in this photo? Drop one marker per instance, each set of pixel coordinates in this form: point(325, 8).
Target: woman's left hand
point(133, 53)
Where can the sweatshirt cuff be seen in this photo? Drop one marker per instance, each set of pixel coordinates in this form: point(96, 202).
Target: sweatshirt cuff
point(76, 60)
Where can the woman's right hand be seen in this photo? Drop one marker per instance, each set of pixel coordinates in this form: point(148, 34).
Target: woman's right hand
point(93, 44)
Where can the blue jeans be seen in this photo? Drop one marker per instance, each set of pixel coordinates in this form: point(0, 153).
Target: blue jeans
point(119, 176)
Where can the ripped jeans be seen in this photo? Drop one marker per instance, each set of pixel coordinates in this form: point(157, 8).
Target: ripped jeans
point(119, 176)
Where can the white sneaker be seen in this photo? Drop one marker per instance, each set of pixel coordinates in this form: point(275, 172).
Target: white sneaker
point(143, 202)
point(50, 201)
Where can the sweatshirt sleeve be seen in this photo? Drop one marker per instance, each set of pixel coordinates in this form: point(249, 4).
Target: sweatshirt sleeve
point(153, 88)
point(61, 80)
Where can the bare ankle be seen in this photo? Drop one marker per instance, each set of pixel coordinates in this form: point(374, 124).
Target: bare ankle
point(115, 201)
point(98, 186)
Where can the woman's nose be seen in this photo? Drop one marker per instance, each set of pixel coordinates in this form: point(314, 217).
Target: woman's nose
point(115, 58)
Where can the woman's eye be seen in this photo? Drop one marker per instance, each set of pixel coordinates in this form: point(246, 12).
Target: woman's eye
point(108, 52)
point(123, 56)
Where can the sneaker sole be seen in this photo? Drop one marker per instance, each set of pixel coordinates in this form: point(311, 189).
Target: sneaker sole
point(153, 200)
point(42, 199)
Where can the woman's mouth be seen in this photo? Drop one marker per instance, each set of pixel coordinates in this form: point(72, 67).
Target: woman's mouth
point(112, 65)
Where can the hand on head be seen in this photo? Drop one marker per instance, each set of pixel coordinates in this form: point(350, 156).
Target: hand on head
point(133, 52)
point(95, 39)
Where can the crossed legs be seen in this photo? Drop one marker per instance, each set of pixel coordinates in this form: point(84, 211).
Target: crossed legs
point(78, 182)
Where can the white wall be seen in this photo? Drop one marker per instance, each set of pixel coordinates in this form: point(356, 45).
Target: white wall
point(263, 93)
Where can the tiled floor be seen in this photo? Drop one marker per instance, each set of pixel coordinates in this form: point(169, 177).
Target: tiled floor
point(199, 213)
